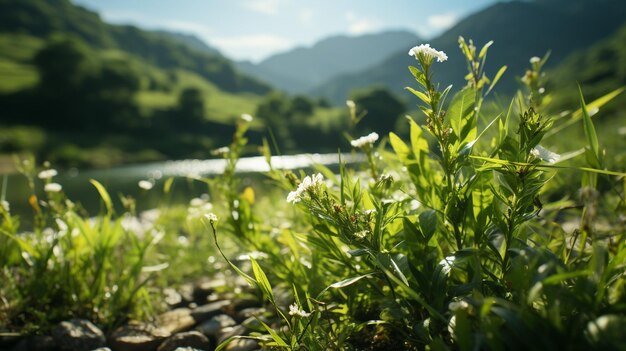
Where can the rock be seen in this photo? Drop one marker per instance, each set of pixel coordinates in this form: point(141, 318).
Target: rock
point(135, 337)
point(172, 297)
point(202, 290)
point(186, 292)
point(254, 323)
point(187, 339)
point(102, 349)
point(242, 345)
point(246, 303)
point(231, 331)
point(251, 312)
point(213, 326)
point(78, 334)
point(176, 320)
point(187, 349)
point(204, 312)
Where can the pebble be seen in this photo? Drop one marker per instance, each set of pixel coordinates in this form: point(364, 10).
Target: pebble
point(242, 345)
point(231, 331)
point(202, 290)
point(177, 320)
point(205, 312)
point(187, 339)
point(78, 335)
point(134, 337)
point(213, 326)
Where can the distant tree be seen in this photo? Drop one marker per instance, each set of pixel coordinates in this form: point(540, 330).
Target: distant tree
point(274, 111)
point(190, 107)
point(301, 105)
point(63, 66)
point(383, 110)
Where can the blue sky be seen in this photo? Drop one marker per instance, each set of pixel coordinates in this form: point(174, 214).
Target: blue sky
point(255, 29)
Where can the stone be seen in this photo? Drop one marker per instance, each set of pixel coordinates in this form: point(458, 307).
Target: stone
point(213, 326)
point(187, 339)
point(78, 335)
point(202, 290)
point(251, 312)
point(242, 345)
point(172, 298)
point(231, 331)
point(176, 320)
point(137, 336)
point(102, 349)
point(204, 312)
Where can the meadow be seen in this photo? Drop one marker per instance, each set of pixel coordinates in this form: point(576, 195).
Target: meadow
point(466, 232)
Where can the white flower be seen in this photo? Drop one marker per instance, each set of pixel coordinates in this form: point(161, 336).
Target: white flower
point(308, 183)
point(224, 150)
point(294, 310)
point(48, 173)
point(428, 52)
point(362, 234)
point(534, 60)
point(53, 187)
point(246, 118)
point(145, 184)
point(365, 140)
point(212, 217)
point(5, 205)
point(351, 105)
point(545, 154)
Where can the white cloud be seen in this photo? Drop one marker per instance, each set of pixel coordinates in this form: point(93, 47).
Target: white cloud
point(251, 47)
point(442, 21)
point(358, 24)
point(306, 16)
point(266, 7)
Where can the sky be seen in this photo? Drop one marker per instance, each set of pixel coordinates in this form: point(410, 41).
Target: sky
point(255, 29)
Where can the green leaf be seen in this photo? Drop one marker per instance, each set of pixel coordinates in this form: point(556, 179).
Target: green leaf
point(279, 341)
point(460, 110)
point(261, 280)
point(428, 223)
point(104, 195)
point(401, 149)
point(347, 282)
point(420, 95)
point(496, 79)
point(590, 131)
point(483, 51)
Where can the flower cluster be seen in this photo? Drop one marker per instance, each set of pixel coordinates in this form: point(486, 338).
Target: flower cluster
point(52, 187)
point(427, 52)
point(222, 151)
point(47, 174)
point(308, 183)
point(145, 184)
point(246, 118)
point(544, 154)
point(295, 310)
point(363, 141)
point(212, 217)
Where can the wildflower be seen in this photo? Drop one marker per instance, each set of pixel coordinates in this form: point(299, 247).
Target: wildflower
point(224, 150)
point(294, 310)
point(351, 105)
point(544, 154)
point(308, 184)
point(246, 118)
point(47, 174)
point(211, 217)
point(363, 141)
point(5, 205)
point(534, 60)
point(362, 234)
point(427, 52)
point(145, 184)
point(52, 187)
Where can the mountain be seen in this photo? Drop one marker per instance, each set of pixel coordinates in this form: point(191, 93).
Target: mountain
point(300, 69)
point(599, 70)
point(189, 40)
point(43, 19)
point(519, 30)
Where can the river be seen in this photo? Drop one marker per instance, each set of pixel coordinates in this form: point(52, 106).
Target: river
point(123, 180)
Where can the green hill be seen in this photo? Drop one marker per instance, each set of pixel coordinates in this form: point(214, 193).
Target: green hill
point(43, 19)
point(519, 30)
